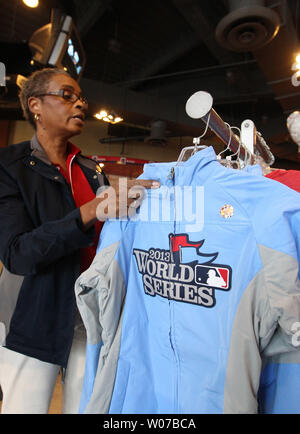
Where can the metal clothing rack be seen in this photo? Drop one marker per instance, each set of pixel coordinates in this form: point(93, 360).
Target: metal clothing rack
point(251, 142)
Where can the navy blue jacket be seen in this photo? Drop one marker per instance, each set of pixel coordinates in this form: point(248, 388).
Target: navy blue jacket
point(41, 234)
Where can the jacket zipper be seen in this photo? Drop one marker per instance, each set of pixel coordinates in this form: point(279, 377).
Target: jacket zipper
point(70, 174)
point(171, 177)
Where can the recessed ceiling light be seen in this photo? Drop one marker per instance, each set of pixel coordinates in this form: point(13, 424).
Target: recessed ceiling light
point(31, 3)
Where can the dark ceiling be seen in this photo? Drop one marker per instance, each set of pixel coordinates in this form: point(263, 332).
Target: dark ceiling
point(146, 58)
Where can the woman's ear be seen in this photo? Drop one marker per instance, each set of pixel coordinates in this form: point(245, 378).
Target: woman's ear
point(34, 105)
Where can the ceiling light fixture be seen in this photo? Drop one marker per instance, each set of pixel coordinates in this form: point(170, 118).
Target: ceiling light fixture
point(293, 124)
point(110, 117)
point(31, 3)
point(296, 67)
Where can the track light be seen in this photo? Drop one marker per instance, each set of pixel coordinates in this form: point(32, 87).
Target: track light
point(110, 117)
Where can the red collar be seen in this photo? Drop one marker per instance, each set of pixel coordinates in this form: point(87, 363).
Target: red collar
point(72, 150)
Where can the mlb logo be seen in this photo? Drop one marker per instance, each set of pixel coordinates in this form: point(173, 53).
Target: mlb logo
point(218, 277)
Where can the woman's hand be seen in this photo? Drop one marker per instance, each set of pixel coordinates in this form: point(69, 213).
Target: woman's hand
point(119, 200)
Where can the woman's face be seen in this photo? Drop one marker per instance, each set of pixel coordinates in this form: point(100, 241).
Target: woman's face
point(59, 116)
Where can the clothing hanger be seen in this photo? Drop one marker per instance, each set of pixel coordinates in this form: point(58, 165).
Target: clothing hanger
point(269, 159)
point(235, 164)
point(266, 169)
point(227, 161)
point(272, 169)
point(251, 138)
point(195, 148)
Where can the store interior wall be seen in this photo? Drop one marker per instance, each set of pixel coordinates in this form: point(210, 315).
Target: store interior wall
point(89, 142)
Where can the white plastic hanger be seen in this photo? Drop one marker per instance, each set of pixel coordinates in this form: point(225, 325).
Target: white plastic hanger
point(227, 161)
point(224, 160)
point(195, 148)
point(236, 164)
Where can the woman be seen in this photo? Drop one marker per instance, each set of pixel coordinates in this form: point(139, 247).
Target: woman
point(48, 235)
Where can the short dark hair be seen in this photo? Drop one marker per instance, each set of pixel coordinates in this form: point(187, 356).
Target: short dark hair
point(35, 84)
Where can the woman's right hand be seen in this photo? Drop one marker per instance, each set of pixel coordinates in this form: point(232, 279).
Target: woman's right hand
point(118, 200)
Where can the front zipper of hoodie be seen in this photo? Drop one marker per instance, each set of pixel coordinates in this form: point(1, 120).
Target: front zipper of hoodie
point(172, 337)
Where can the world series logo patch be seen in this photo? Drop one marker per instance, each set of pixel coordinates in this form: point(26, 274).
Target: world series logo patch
point(183, 273)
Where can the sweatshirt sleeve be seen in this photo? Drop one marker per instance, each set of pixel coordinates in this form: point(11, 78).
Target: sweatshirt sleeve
point(264, 336)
